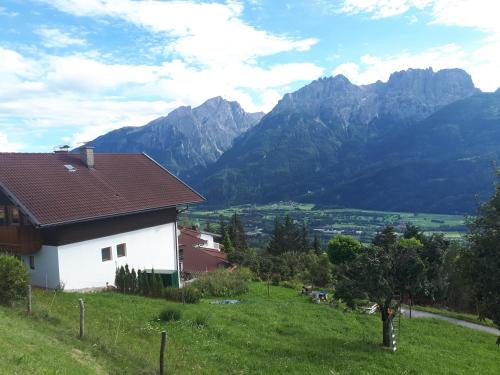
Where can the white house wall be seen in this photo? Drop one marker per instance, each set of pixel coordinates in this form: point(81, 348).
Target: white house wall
point(81, 265)
point(46, 272)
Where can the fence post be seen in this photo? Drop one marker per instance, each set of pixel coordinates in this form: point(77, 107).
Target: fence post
point(29, 299)
point(162, 352)
point(82, 318)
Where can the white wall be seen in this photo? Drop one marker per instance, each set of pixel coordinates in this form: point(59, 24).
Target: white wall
point(210, 240)
point(81, 266)
point(46, 272)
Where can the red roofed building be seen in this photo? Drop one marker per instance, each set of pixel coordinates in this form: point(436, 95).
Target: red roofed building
point(75, 218)
point(199, 253)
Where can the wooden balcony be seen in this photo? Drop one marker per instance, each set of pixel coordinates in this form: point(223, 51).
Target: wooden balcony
point(20, 239)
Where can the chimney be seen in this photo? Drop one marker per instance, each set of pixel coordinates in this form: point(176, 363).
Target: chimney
point(87, 156)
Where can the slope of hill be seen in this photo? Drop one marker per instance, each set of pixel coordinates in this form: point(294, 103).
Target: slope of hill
point(331, 133)
point(186, 138)
point(283, 333)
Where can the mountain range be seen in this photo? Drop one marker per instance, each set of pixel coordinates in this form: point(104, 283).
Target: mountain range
point(187, 138)
point(423, 141)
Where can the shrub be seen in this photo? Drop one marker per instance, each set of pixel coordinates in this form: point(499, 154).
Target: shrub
point(201, 320)
point(13, 279)
point(188, 294)
point(170, 315)
point(223, 283)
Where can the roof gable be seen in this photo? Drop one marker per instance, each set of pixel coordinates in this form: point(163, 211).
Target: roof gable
point(52, 193)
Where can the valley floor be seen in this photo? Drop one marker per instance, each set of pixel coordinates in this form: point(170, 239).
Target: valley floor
point(280, 334)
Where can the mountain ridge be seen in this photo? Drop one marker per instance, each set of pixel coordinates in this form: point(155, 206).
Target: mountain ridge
point(187, 137)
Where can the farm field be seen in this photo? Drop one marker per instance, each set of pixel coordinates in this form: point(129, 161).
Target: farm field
point(327, 222)
point(280, 334)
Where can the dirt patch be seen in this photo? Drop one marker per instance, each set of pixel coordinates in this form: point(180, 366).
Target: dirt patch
point(87, 360)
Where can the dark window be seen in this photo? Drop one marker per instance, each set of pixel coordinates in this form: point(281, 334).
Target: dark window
point(15, 218)
point(3, 218)
point(121, 250)
point(106, 254)
point(32, 262)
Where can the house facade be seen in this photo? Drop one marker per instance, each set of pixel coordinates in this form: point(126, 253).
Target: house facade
point(74, 219)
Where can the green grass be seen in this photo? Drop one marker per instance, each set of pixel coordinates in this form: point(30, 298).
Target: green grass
point(457, 315)
point(283, 334)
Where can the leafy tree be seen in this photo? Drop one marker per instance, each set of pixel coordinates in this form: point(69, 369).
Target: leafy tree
point(386, 238)
point(434, 254)
point(343, 249)
point(321, 274)
point(379, 274)
point(13, 279)
point(411, 269)
point(412, 231)
point(482, 257)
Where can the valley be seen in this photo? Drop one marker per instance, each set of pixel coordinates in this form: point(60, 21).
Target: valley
point(328, 222)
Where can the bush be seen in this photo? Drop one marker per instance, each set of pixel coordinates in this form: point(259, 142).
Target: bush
point(13, 279)
point(170, 315)
point(201, 321)
point(188, 294)
point(223, 283)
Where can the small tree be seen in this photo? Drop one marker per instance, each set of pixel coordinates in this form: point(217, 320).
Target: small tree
point(381, 273)
point(14, 279)
point(343, 249)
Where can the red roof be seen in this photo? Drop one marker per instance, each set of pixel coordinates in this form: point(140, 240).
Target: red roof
point(196, 257)
point(119, 184)
point(197, 260)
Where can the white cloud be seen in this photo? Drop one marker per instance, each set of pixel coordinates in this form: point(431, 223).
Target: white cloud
point(7, 146)
point(207, 33)
point(481, 63)
point(480, 14)
point(209, 50)
point(55, 38)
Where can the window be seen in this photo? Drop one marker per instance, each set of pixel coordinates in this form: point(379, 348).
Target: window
point(121, 250)
point(3, 218)
point(106, 254)
point(32, 262)
point(15, 218)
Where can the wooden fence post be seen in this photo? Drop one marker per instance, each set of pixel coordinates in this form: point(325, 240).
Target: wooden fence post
point(162, 352)
point(29, 299)
point(82, 318)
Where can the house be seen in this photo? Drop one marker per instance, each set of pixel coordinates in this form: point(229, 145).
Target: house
point(199, 253)
point(74, 218)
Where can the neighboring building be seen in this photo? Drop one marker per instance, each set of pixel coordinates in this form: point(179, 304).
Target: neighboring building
point(199, 253)
point(74, 219)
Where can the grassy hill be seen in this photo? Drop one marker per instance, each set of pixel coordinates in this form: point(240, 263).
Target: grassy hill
point(281, 334)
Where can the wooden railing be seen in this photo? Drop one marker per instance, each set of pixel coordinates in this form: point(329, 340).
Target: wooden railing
point(20, 239)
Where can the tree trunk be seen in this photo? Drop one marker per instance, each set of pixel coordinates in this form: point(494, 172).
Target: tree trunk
point(386, 325)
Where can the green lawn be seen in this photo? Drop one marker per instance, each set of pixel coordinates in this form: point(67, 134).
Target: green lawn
point(283, 334)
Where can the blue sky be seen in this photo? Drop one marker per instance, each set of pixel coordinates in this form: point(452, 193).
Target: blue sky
point(71, 70)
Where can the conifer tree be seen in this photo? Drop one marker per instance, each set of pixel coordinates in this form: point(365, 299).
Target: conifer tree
point(316, 245)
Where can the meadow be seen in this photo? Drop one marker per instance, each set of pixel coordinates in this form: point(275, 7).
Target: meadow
point(283, 333)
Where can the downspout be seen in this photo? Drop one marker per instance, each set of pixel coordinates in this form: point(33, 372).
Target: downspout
point(177, 212)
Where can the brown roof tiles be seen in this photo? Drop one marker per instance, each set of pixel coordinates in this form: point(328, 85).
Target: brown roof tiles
point(120, 184)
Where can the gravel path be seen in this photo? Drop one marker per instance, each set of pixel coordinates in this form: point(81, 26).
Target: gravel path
point(477, 327)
